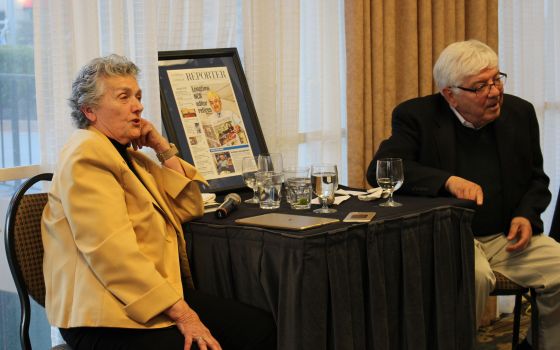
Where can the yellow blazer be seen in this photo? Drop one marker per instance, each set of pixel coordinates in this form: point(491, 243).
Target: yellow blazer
point(114, 247)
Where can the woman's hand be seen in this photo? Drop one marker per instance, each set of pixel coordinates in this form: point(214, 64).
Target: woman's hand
point(150, 137)
point(191, 327)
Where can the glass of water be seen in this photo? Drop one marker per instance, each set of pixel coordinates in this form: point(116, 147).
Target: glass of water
point(390, 177)
point(298, 187)
point(269, 184)
point(272, 162)
point(324, 180)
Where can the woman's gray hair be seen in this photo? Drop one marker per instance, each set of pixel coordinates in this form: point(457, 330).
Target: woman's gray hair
point(460, 60)
point(86, 89)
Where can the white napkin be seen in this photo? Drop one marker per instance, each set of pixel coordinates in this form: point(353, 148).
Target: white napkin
point(210, 204)
point(351, 193)
point(373, 193)
point(209, 198)
point(337, 200)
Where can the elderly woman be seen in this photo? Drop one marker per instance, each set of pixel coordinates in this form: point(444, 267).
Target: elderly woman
point(115, 265)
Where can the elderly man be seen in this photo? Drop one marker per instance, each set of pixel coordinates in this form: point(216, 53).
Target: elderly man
point(474, 142)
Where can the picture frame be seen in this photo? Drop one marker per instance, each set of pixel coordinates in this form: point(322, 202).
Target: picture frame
point(208, 113)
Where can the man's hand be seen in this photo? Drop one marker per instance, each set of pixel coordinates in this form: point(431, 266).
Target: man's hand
point(464, 189)
point(520, 233)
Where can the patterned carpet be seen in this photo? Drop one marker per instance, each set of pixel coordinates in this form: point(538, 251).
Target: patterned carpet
point(497, 336)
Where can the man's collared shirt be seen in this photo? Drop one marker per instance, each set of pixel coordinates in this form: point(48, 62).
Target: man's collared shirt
point(463, 121)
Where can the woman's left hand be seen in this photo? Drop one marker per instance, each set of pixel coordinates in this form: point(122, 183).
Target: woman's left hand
point(150, 137)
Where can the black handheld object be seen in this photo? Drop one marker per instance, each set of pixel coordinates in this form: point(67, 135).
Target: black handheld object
point(230, 203)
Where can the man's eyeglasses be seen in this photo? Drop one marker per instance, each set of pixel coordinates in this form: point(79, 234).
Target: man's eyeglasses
point(483, 89)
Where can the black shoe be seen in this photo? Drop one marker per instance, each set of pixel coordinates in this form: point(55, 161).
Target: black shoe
point(524, 345)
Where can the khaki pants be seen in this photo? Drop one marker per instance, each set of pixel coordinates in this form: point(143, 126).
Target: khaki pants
point(537, 266)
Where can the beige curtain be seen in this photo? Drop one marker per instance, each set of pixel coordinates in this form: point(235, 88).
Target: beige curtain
point(391, 48)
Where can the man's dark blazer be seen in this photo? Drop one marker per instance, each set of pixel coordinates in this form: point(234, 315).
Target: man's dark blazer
point(423, 136)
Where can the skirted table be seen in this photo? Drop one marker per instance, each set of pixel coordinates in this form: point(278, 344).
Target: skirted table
point(403, 281)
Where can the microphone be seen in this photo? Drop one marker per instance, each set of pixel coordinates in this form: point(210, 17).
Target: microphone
point(230, 203)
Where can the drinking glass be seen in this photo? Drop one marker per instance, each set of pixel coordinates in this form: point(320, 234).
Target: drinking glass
point(324, 180)
point(270, 162)
point(270, 186)
point(390, 178)
point(249, 169)
point(298, 187)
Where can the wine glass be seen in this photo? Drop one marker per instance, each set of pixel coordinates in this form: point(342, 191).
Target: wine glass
point(324, 181)
point(270, 162)
point(390, 178)
point(249, 169)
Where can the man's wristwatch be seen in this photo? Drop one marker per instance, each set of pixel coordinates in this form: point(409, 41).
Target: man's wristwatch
point(163, 156)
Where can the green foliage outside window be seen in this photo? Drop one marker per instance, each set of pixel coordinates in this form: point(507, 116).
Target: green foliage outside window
point(17, 90)
point(16, 59)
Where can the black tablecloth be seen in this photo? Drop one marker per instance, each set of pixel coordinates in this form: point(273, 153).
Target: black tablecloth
point(402, 281)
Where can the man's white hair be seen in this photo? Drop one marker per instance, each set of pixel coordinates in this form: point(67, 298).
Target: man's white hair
point(462, 59)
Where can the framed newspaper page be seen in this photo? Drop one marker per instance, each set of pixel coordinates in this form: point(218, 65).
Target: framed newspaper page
point(208, 113)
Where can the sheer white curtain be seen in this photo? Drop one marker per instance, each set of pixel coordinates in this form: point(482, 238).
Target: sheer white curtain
point(292, 52)
point(70, 33)
point(293, 56)
point(529, 37)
